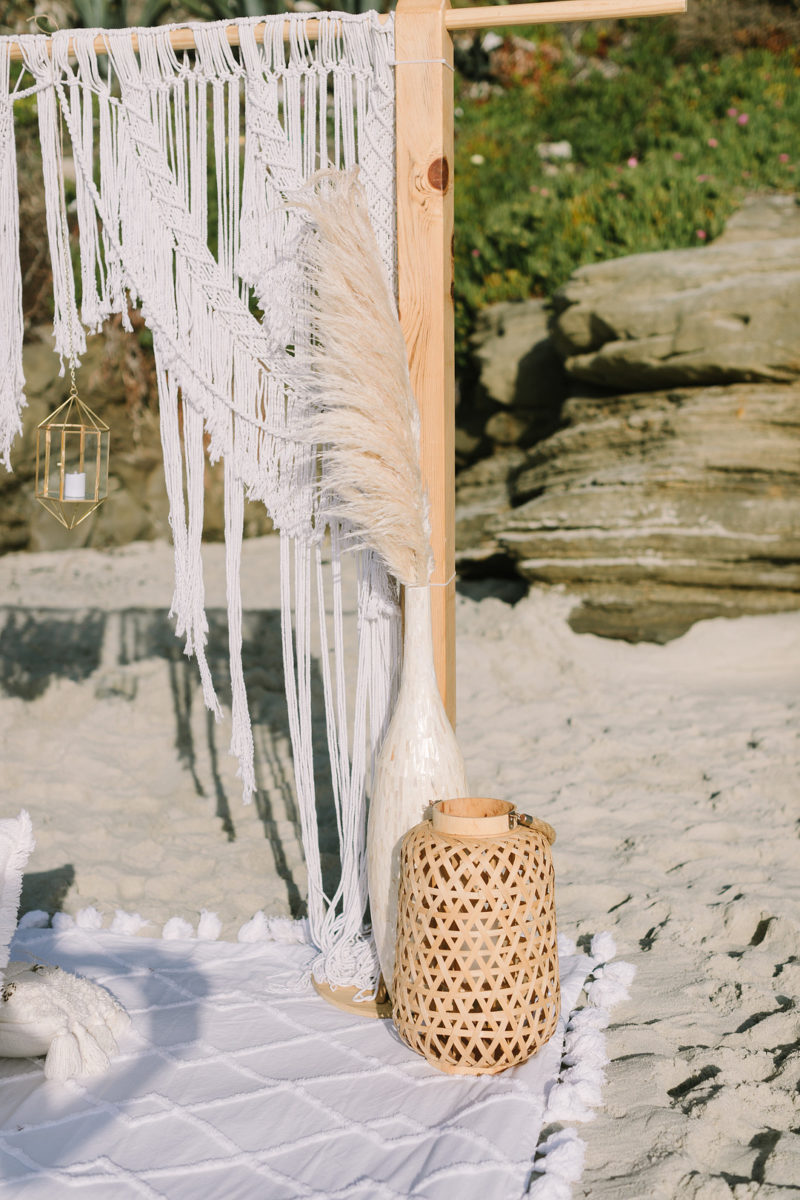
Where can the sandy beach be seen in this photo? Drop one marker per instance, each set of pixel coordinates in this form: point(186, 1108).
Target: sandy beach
point(669, 772)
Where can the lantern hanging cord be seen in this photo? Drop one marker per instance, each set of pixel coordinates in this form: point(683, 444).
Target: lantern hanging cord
point(73, 304)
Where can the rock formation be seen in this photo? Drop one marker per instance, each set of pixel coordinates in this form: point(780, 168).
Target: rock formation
point(680, 497)
point(719, 314)
point(665, 508)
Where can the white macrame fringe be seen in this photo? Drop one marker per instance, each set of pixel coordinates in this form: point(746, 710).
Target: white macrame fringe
point(147, 133)
point(12, 383)
point(69, 335)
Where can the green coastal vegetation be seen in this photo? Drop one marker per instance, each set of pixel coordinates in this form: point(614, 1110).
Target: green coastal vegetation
point(663, 139)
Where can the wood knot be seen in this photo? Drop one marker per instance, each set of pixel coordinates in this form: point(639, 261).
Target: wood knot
point(439, 174)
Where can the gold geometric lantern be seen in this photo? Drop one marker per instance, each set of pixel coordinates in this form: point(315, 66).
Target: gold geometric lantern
point(72, 461)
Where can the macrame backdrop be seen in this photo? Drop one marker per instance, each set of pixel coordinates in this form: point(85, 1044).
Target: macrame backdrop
point(183, 165)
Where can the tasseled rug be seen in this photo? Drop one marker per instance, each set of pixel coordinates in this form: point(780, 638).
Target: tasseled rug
point(237, 1080)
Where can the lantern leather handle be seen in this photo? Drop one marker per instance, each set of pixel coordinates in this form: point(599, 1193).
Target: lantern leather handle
point(528, 822)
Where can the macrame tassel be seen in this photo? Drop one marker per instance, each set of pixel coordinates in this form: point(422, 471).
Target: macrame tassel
point(67, 330)
point(347, 958)
point(93, 309)
point(93, 1059)
point(12, 383)
point(187, 601)
point(297, 678)
point(242, 733)
point(173, 475)
point(558, 1166)
point(63, 1059)
point(112, 175)
point(104, 1038)
point(196, 621)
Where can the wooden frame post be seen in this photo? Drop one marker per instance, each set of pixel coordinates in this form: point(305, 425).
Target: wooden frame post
point(424, 91)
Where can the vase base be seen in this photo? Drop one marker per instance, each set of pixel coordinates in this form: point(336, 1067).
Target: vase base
point(379, 1007)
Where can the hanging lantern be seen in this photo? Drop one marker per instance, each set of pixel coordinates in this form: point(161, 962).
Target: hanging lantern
point(72, 462)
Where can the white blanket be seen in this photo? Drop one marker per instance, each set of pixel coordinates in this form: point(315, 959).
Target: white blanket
point(237, 1082)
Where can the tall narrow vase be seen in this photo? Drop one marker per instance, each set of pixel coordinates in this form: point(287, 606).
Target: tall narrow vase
point(420, 762)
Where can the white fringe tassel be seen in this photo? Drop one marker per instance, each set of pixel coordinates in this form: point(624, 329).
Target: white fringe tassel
point(12, 383)
point(579, 1089)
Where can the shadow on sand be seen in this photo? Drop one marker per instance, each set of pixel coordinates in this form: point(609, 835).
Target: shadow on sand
point(39, 646)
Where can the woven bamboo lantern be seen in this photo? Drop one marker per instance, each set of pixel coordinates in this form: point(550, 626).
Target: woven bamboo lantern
point(72, 461)
point(475, 986)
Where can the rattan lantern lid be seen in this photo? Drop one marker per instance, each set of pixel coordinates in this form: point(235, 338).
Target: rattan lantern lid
point(480, 816)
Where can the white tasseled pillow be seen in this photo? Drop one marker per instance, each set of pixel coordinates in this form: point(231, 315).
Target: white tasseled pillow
point(44, 1010)
point(71, 1020)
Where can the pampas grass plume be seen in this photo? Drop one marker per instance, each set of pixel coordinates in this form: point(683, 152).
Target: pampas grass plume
point(367, 422)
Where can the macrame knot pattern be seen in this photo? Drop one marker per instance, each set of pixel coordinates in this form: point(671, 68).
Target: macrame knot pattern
point(182, 168)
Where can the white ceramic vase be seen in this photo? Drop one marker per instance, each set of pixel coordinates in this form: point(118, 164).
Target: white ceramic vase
point(420, 762)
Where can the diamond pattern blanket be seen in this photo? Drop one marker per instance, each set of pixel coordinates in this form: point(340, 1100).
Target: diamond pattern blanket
point(237, 1082)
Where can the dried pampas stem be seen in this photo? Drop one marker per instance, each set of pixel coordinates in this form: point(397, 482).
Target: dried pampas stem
point(368, 422)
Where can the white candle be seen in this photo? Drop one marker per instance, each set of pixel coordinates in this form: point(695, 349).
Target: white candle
point(75, 486)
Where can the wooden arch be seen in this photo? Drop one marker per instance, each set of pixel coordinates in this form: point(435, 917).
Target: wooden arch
point(425, 230)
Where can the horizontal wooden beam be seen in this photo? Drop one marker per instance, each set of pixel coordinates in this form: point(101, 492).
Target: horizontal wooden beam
point(184, 39)
point(492, 16)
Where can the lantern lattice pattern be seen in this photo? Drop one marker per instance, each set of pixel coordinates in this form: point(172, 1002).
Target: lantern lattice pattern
point(72, 462)
point(476, 986)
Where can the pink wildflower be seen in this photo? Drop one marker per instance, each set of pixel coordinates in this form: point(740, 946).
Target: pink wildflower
point(677, 156)
point(733, 112)
point(713, 143)
point(476, 253)
point(633, 161)
point(701, 234)
point(742, 119)
point(544, 191)
point(784, 158)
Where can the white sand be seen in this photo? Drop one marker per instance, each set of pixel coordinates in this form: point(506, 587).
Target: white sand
point(669, 772)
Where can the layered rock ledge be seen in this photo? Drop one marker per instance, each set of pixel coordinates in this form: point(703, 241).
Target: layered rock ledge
point(666, 487)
